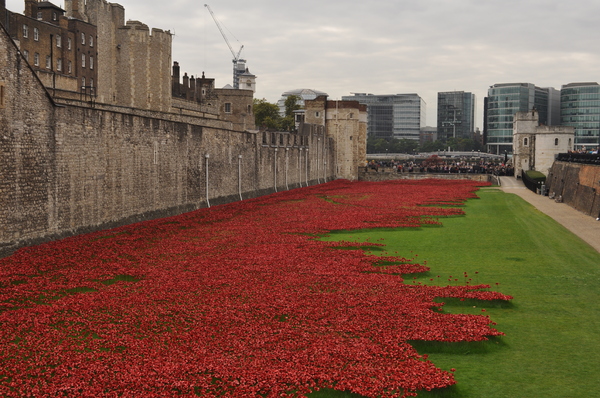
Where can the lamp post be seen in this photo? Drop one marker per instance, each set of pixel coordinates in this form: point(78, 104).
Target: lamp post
point(240, 176)
point(206, 157)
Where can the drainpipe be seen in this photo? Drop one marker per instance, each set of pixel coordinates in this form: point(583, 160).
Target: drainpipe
point(207, 156)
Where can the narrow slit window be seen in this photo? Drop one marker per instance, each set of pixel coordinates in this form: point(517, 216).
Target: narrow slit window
point(2, 95)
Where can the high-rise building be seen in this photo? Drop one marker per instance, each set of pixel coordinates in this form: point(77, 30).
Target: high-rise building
point(399, 116)
point(580, 108)
point(505, 100)
point(455, 115)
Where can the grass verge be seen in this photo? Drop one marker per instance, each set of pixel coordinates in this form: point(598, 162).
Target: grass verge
point(552, 344)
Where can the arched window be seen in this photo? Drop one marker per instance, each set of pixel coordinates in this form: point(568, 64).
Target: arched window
point(556, 141)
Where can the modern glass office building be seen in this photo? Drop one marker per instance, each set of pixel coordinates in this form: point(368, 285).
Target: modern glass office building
point(580, 108)
point(455, 115)
point(505, 100)
point(304, 94)
point(398, 116)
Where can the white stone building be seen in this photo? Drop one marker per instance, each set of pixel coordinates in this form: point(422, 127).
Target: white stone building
point(535, 147)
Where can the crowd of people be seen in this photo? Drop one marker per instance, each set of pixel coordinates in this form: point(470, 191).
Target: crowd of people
point(584, 150)
point(443, 167)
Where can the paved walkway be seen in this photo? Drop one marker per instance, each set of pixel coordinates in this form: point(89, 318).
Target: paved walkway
point(584, 226)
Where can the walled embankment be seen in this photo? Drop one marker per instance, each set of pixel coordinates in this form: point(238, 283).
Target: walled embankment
point(94, 169)
point(73, 167)
point(578, 185)
point(390, 174)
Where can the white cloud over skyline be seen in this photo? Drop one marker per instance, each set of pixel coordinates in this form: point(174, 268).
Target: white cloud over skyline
point(382, 47)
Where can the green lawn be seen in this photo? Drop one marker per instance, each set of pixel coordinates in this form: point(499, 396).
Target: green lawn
point(552, 342)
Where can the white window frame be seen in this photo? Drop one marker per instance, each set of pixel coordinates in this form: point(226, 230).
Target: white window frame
point(83, 60)
point(69, 67)
point(36, 59)
point(83, 38)
point(26, 55)
point(91, 62)
point(69, 43)
point(91, 41)
point(25, 31)
point(36, 34)
point(59, 64)
point(48, 62)
point(58, 41)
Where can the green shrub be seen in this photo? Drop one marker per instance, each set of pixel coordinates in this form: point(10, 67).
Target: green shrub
point(536, 175)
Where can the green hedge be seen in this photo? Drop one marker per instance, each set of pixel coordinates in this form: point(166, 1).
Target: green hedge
point(536, 176)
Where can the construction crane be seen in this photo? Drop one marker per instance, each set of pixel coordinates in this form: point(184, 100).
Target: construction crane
point(236, 57)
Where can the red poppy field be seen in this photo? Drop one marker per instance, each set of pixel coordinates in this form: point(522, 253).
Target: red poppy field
point(240, 300)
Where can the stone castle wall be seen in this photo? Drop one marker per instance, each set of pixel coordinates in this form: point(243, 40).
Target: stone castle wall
point(577, 184)
point(71, 167)
point(390, 174)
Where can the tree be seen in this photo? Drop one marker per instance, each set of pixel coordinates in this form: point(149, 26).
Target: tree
point(288, 122)
point(266, 115)
point(405, 146)
point(430, 146)
point(291, 105)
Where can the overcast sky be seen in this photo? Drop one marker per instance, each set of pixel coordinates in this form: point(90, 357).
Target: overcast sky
point(382, 47)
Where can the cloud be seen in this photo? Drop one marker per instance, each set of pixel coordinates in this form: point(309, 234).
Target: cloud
point(383, 46)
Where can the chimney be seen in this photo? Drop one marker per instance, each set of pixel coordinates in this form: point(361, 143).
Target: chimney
point(192, 89)
point(77, 9)
point(186, 86)
point(176, 86)
point(31, 8)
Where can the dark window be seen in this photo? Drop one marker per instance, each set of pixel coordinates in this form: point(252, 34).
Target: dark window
point(2, 95)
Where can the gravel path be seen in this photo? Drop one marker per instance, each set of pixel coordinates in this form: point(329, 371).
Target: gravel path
point(584, 226)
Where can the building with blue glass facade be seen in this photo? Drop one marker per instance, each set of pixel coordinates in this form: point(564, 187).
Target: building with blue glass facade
point(455, 115)
point(399, 116)
point(505, 100)
point(580, 108)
